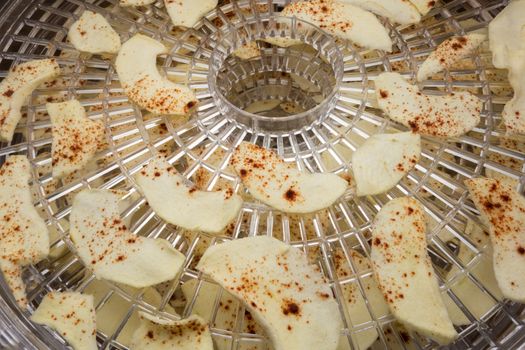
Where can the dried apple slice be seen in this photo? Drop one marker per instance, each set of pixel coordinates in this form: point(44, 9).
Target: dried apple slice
point(262, 106)
point(276, 183)
point(282, 41)
point(247, 51)
point(72, 315)
point(444, 116)
point(404, 271)
point(92, 33)
point(342, 20)
point(185, 206)
point(398, 11)
point(154, 333)
point(383, 160)
point(505, 34)
point(288, 297)
point(228, 307)
point(107, 247)
point(448, 53)
point(187, 13)
point(508, 51)
point(17, 87)
point(76, 138)
point(503, 208)
point(137, 70)
point(24, 238)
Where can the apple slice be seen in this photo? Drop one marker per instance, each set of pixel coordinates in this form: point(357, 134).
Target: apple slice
point(398, 11)
point(448, 53)
point(383, 160)
point(185, 206)
point(24, 238)
point(228, 307)
point(107, 247)
point(342, 20)
point(72, 315)
point(404, 271)
point(248, 51)
point(443, 116)
point(76, 138)
point(280, 185)
point(137, 70)
point(503, 208)
point(289, 298)
point(17, 87)
point(187, 13)
point(508, 52)
point(154, 333)
point(92, 33)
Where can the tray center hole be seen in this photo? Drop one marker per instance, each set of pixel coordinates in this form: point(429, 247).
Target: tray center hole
point(280, 82)
point(285, 85)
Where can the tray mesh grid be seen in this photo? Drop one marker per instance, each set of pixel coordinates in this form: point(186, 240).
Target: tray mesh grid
point(195, 145)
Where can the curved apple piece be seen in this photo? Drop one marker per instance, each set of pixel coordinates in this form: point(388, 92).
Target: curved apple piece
point(280, 185)
point(514, 111)
point(17, 87)
point(383, 160)
point(24, 237)
point(503, 208)
point(76, 138)
point(289, 298)
point(404, 271)
point(228, 306)
point(72, 315)
point(443, 116)
point(398, 11)
point(185, 206)
point(342, 20)
point(505, 38)
point(448, 53)
point(508, 52)
point(107, 247)
point(248, 51)
point(187, 13)
point(191, 333)
point(137, 70)
point(92, 33)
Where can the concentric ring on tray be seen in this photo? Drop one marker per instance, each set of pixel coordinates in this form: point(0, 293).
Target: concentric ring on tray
point(274, 74)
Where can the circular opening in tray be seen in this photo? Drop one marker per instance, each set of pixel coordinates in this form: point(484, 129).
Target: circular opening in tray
point(291, 82)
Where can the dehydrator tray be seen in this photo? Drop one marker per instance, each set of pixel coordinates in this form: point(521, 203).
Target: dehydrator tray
point(314, 136)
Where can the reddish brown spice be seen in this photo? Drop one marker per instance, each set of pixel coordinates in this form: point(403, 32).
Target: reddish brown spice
point(290, 195)
point(290, 307)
